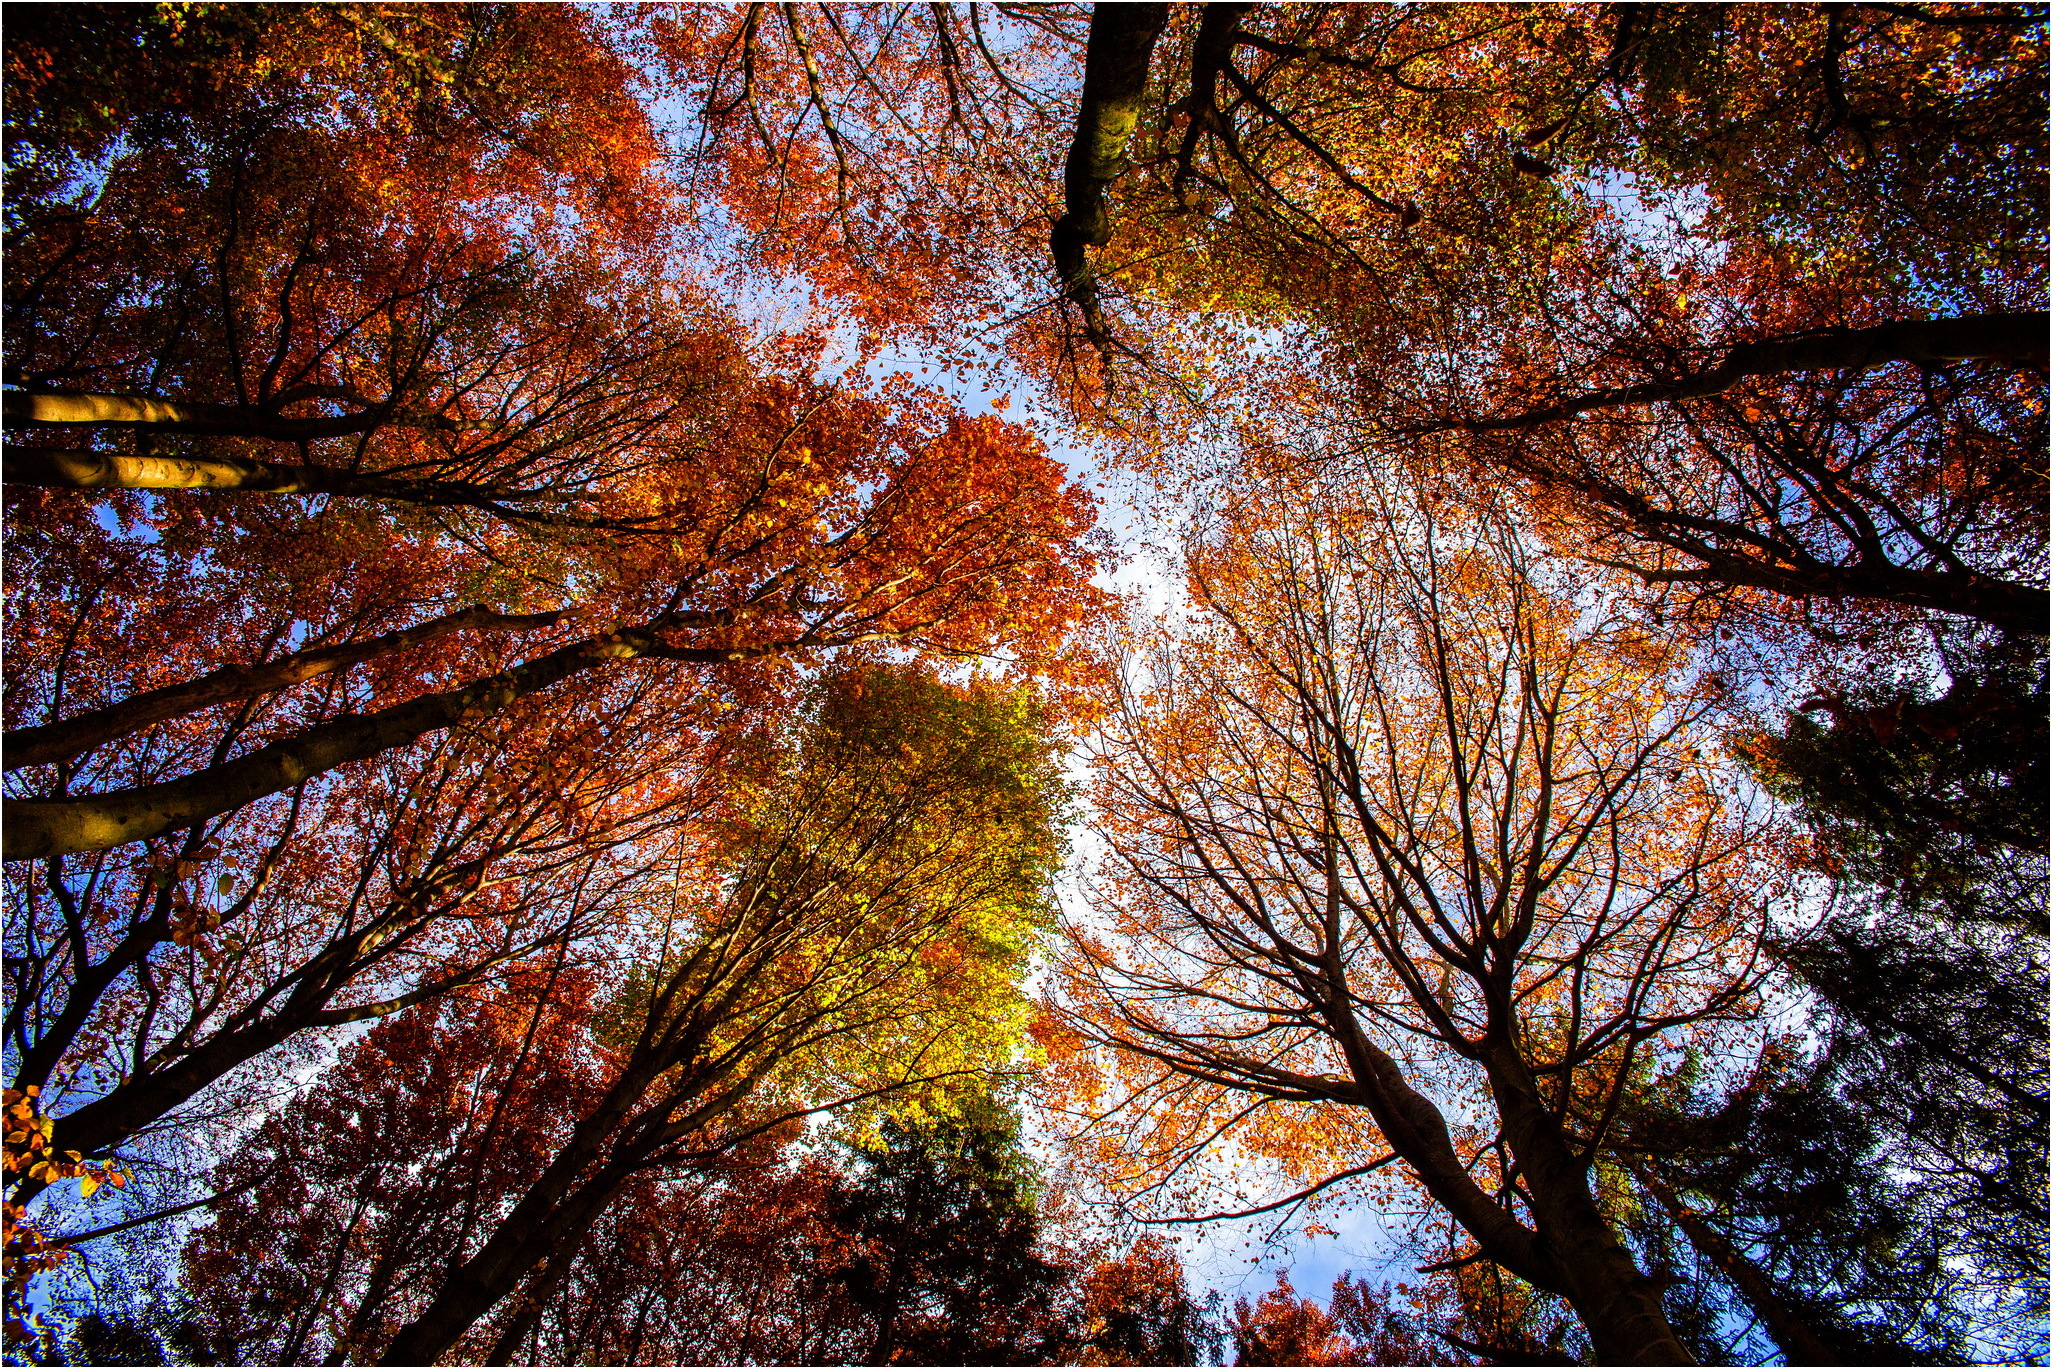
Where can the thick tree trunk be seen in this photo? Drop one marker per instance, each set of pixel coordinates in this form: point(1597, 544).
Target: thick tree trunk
point(1966, 594)
point(52, 743)
point(1573, 1253)
point(66, 469)
point(1416, 1130)
point(1973, 337)
point(1798, 1340)
point(36, 828)
point(1122, 39)
point(1733, 553)
point(533, 1301)
point(74, 409)
point(1617, 1303)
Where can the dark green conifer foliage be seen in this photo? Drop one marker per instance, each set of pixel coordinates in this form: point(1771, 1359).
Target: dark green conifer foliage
point(942, 1220)
point(1801, 1179)
point(1938, 799)
point(1903, 1169)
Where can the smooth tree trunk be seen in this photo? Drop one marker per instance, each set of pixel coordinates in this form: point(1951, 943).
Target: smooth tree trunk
point(1573, 1252)
point(66, 469)
point(39, 828)
point(55, 743)
point(1121, 47)
point(80, 409)
point(1615, 1300)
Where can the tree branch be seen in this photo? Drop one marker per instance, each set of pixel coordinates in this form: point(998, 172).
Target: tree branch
point(2017, 338)
point(66, 469)
point(53, 743)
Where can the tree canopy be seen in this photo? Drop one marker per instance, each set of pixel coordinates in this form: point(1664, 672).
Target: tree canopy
point(772, 683)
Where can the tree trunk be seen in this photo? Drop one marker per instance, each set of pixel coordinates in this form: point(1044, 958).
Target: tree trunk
point(1995, 337)
point(1416, 1130)
point(1573, 1253)
point(557, 1210)
point(1122, 39)
point(65, 469)
point(53, 743)
point(1615, 1301)
point(75, 409)
point(36, 828)
point(1798, 1340)
point(101, 1125)
point(533, 1302)
point(1967, 594)
point(1778, 566)
point(604, 1152)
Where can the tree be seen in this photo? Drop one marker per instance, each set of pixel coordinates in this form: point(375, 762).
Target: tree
point(1137, 1309)
point(943, 1264)
point(353, 1196)
point(1938, 800)
point(259, 272)
point(1927, 811)
point(1397, 810)
point(152, 988)
point(1360, 1327)
point(802, 548)
point(1364, 182)
point(1797, 1214)
point(425, 574)
point(858, 937)
point(1284, 1329)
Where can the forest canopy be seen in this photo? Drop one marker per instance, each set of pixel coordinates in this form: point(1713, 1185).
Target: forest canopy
point(843, 683)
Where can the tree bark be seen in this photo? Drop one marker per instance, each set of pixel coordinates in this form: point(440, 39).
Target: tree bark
point(1798, 1340)
point(1973, 337)
point(36, 828)
point(1573, 1253)
point(1999, 603)
point(532, 1303)
point(1416, 1130)
point(1122, 39)
point(67, 469)
point(53, 743)
point(1614, 1299)
point(78, 409)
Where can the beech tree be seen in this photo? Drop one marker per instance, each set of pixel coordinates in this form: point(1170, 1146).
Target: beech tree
point(447, 590)
point(822, 538)
point(1396, 816)
point(144, 977)
point(1370, 184)
point(253, 299)
point(874, 903)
